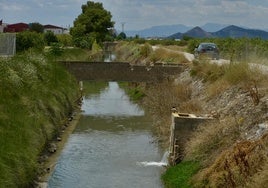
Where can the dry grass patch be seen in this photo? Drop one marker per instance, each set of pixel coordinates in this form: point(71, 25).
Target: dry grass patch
point(235, 167)
point(217, 87)
point(211, 138)
point(167, 56)
point(160, 98)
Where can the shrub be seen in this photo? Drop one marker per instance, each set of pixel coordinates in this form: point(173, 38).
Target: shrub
point(65, 39)
point(26, 40)
point(146, 50)
point(56, 49)
point(50, 38)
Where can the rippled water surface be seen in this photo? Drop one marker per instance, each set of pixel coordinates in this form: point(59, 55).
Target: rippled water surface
point(111, 147)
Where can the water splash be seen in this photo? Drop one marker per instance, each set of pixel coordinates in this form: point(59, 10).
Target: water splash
point(163, 162)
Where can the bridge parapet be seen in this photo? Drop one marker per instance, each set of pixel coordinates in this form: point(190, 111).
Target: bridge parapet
point(121, 71)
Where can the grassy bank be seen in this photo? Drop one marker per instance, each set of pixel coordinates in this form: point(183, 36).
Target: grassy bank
point(36, 94)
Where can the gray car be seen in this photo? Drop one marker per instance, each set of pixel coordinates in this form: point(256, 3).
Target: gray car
point(208, 50)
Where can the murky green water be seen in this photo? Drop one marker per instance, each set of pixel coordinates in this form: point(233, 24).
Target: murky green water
point(111, 147)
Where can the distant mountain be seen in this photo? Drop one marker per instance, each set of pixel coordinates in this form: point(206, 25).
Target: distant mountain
point(238, 32)
point(213, 27)
point(205, 31)
point(198, 32)
point(231, 31)
point(159, 31)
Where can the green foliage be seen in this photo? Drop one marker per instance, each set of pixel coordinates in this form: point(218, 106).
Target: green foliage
point(85, 41)
point(37, 27)
point(93, 23)
point(146, 50)
point(50, 38)
point(35, 96)
point(180, 175)
point(121, 36)
point(65, 39)
point(134, 91)
point(95, 47)
point(76, 54)
point(56, 49)
point(26, 40)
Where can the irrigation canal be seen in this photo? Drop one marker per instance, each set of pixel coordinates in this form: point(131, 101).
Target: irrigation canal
point(112, 146)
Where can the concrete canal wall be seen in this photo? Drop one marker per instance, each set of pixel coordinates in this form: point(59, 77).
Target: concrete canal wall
point(181, 128)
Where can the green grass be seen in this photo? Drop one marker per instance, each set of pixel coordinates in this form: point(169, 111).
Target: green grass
point(74, 54)
point(179, 176)
point(36, 94)
point(135, 92)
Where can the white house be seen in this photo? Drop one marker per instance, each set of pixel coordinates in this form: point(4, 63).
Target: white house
point(55, 29)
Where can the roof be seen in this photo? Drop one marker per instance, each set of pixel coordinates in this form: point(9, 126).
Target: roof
point(52, 27)
point(17, 27)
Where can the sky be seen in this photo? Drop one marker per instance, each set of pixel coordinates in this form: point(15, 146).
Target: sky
point(141, 14)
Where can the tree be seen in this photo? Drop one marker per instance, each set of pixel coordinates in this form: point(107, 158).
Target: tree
point(92, 24)
point(37, 27)
point(50, 38)
point(121, 36)
point(27, 39)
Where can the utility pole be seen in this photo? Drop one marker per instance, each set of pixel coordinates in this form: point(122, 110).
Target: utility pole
point(123, 25)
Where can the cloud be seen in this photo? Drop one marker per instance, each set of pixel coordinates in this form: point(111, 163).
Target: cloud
point(140, 14)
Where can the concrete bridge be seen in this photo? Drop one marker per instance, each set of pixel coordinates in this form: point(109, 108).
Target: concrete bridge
point(122, 71)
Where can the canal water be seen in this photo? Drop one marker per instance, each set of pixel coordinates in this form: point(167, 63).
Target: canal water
point(112, 145)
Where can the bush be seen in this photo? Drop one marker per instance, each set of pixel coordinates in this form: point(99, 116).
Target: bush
point(56, 49)
point(65, 39)
point(50, 38)
point(26, 40)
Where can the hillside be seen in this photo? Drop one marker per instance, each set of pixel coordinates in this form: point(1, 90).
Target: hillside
point(196, 32)
point(231, 31)
point(237, 32)
point(207, 30)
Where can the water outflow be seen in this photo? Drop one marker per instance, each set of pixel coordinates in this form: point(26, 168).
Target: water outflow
point(163, 162)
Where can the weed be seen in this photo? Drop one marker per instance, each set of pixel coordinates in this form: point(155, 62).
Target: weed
point(235, 166)
point(180, 175)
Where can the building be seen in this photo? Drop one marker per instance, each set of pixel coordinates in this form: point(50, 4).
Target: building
point(15, 28)
point(55, 29)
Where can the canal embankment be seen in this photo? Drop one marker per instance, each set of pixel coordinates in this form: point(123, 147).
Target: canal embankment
point(231, 148)
point(36, 98)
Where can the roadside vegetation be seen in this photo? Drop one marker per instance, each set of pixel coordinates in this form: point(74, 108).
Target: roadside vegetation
point(146, 54)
